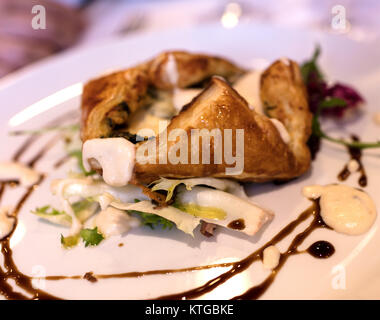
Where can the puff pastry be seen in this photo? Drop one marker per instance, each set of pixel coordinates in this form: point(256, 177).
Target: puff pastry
point(109, 102)
point(129, 89)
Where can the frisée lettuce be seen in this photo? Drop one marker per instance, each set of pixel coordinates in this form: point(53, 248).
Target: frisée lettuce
point(217, 201)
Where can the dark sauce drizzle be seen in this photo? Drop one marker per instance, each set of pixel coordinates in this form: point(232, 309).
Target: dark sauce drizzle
point(10, 268)
point(25, 282)
point(2, 188)
point(321, 249)
point(236, 267)
point(238, 224)
point(240, 266)
point(62, 161)
point(355, 154)
point(138, 274)
point(314, 144)
point(89, 276)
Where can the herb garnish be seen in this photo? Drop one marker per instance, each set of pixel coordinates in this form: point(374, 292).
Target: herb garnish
point(45, 210)
point(70, 241)
point(91, 237)
point(317, 130)
point(334, 100)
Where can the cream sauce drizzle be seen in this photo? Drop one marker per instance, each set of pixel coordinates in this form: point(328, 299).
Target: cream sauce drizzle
point(271, 257)
point(284, 134)
point(6, 223)
point(353, 165)
point(116, 157)
point(112, 222)
point(171, 70)
point(10, 171)
point(345, 209)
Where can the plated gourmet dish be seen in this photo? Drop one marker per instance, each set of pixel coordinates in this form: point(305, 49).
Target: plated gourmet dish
point(171, 142)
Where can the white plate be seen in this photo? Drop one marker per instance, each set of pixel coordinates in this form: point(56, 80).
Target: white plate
point(38, 250)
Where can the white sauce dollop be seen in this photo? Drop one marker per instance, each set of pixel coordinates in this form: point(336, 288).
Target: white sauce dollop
point(248, 87)
point(343, 208)
point(20, 172)
point(353, 165)
point(116, 156)
point(284, 134)
point(171, 70)
point(271, 257)
point(6, 223)
point(112, 221)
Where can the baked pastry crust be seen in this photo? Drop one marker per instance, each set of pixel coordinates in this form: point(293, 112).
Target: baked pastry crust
point(266, 156)
point(131, 86)
point(284, 97)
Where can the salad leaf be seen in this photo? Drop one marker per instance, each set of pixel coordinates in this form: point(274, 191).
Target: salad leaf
point(83, 210)
point(332, 103)
point(151, 220)
point(310, 68)
point(70, 241)
point(182, 220)
point(317, 130)
point(91, 237)
point(336, 100)
point(231, 206)
point(352, 97)
point(201, 211)
point(319, 90)
point(44, 210)
point(170, 185)
point(53, 215)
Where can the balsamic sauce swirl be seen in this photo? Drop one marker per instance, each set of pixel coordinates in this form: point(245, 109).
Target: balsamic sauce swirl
point(320, 249)
point(240, 266)
point(355, 154)
point(10, 270)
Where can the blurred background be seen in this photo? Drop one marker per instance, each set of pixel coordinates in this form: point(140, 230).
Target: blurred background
point(26, 38)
